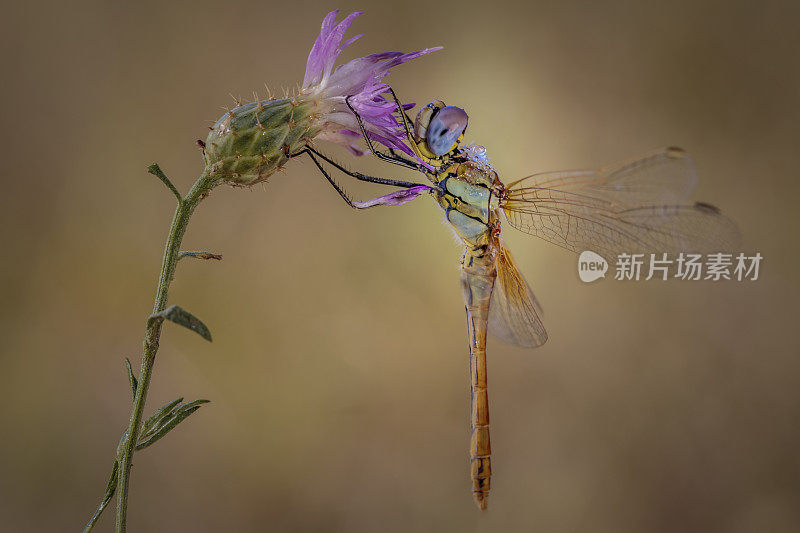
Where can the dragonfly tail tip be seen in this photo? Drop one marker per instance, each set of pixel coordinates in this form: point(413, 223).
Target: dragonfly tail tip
point(481, 499)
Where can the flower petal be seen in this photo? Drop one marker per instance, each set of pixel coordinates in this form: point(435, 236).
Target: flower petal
point(360, 82)
point(396, 198)
point(333, 44)
point(316, 59)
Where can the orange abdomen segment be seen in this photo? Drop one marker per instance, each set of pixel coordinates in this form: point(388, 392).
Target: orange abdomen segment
point(478, 281)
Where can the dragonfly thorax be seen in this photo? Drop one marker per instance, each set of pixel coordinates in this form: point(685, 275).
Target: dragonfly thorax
point(469, 201)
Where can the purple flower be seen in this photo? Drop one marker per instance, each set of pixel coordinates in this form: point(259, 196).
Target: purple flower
point(397, 197)
point(361, 80)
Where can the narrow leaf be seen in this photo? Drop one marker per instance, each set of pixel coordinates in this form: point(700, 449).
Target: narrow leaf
point(199, 255)
point(156, 418)
point(111, 486)
point(184, 318)
point(131, 377)
point(168, 425)
point(177, 413)
point(196, 403)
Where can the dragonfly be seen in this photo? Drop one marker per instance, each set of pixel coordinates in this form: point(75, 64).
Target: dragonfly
point(637, 206)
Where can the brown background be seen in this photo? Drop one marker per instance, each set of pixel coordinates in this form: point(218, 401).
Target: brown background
point(338, 372)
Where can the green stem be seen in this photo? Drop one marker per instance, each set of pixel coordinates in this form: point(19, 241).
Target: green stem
point(180, 221)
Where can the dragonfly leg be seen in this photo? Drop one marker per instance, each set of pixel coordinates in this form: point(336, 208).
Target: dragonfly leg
point(314, 154)
point(403, 117)
point(394, 158)
point(357, 175)
point(336, 187)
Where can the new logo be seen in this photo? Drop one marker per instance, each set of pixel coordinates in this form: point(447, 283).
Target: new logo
point(591, 266)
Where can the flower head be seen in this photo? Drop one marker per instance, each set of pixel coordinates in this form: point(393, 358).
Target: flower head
point(252, 141)
point(361, 80)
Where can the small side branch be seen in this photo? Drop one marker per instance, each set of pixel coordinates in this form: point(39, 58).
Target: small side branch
point(156, 171)
point(199, 255)
point(111, 488)
point(131, 378)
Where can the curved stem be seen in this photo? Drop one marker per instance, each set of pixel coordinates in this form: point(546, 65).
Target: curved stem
point(180, 221)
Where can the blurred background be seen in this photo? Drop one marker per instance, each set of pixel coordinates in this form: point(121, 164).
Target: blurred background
point(339, 369)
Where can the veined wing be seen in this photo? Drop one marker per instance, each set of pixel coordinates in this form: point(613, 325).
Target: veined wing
point(513, 310)
point(638, 206)
point(665, 176)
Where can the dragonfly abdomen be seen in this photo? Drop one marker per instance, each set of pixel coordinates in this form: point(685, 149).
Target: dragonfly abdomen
point(477, 277)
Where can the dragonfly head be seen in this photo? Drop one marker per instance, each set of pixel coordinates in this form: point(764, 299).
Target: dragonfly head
point(439, 128)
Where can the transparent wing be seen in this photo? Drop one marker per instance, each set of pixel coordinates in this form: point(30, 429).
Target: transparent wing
point(665, 176)
point(513, 310)
point(638, 206)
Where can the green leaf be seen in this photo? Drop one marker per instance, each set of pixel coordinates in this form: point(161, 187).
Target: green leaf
point(199, 255)
point(184, 318)
point(111, 486)
point(131, 377)
point(168, 423)
point(155, 419)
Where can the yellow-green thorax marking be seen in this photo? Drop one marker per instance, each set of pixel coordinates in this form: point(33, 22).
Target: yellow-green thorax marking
point(469, 200)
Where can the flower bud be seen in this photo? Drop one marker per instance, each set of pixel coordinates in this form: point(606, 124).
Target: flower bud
point(250, 142)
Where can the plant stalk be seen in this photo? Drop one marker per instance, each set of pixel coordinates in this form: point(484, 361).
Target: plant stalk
point(180, 221)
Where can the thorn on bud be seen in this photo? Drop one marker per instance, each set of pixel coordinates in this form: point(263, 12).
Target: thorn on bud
point(201, 143)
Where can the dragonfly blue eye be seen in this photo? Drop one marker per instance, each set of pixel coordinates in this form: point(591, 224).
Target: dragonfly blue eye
point(445, 128)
